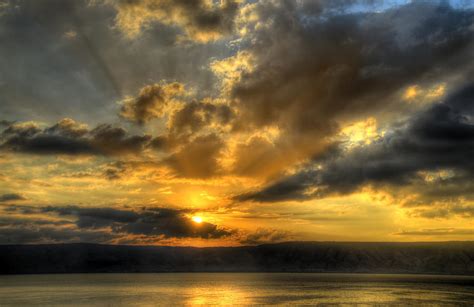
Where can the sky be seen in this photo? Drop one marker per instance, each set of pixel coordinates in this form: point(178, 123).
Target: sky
point(236, 122)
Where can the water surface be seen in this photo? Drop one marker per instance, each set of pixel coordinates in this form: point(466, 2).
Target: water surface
point(234, 289)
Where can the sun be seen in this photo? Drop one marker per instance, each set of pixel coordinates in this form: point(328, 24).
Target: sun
point(197, 219)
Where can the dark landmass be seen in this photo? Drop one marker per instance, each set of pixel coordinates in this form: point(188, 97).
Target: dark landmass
point(418, 258)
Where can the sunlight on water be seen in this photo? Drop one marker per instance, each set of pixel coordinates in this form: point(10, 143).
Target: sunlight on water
point(233, 289)
point(217, 295)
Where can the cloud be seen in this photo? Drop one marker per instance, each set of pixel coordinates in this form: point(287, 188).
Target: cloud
point(30, 234)
point(290, 188)
point(26, 224)
point(112, 140)
point(103, 224)
point(194, 116)
point(444, 211)
point(146, 221)
point(5, 123)
point(84, 77)
point(68, 127)
point(191, 152)
point(71, 138)
point(200, 20)
point(440, 137)
point(115, 170)
point(11, 197)
point(151, 102)
point(310, 69)
point(307, 68)
point(33, 224)
point(292, 99)
point(313, 69)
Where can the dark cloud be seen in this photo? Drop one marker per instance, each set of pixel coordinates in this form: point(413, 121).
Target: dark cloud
point(32, 224)
point(436, 139)
point(314, 67)
point(6, 123)
point(194, 116)
point(28, 225)
point(160, 142)
point(11, 197)
point(169, 223)
point(27, 234)
point(7, 221)
point(290, 188)
point(151, 102)
point(71, 138)
point(115, 170)
point(60, 224)
point(445, 211)
point(115, 140)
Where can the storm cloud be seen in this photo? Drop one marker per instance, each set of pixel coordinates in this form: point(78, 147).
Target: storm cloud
point(195, 116)
point(57, 223)
point(436, 139)
point(147, 221)
point(310, 69)
point(71, 138)
point(316, 65)
point(10, 197)
point(217, 104)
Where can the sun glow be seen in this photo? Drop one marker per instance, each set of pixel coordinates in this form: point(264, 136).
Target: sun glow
point(197, 219)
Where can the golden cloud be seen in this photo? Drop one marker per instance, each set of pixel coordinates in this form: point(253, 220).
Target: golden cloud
point(201, 21)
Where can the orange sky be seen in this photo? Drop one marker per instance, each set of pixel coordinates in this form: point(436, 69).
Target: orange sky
point(215, 123)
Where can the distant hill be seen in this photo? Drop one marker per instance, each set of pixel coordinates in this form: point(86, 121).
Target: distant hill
point(429, 258)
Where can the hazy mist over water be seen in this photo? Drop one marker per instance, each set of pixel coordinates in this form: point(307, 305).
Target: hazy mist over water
point(234, 289)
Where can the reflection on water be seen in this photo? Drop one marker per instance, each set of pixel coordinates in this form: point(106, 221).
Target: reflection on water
point(234, 289)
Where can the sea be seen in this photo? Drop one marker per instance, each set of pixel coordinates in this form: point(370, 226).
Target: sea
point(213, 289)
